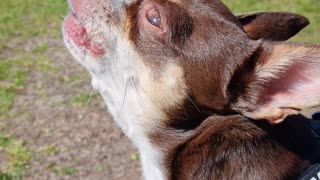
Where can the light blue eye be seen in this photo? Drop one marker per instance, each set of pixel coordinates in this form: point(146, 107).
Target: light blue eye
point(154, 18)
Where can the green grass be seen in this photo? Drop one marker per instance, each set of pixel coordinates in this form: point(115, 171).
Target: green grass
point(19, 21)
point(62, 170)
point(49, 150)
point(66, 171)
point(82, 99)
point(18, 157)
point(12, 79)
point(13, 76)
point(28, 18)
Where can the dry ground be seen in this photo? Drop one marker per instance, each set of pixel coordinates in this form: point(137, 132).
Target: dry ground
point(64, 142)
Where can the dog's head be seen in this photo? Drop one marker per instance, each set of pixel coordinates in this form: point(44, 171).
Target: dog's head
point(174, 62)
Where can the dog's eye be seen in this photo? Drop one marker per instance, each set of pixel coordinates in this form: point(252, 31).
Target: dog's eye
point(154, 18)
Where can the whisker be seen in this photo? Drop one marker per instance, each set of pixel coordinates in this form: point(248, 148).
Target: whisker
point(87, 104)
point(135, 86)
point(124, 98)
point(186, 114)
point(193, 104)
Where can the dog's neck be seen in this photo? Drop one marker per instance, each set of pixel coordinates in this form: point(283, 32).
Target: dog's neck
point(129, 112)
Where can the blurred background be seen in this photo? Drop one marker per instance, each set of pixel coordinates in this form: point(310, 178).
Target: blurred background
point(48, 130)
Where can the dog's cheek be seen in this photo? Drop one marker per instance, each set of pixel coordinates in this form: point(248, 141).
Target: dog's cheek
point(168, 90)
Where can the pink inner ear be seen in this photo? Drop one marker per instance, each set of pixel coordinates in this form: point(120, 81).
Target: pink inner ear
point(298, 88)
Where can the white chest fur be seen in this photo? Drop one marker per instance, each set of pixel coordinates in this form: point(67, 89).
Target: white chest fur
point(122, 102)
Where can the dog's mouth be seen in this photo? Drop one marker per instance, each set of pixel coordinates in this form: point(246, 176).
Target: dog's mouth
point(79, 35)
point(79, 31)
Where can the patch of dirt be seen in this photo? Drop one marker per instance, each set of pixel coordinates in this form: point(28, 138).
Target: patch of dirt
point(66, 143)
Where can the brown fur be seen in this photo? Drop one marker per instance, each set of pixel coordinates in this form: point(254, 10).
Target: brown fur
point(227, 148)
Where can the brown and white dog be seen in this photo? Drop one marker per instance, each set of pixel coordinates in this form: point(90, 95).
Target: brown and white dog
point(184, 79)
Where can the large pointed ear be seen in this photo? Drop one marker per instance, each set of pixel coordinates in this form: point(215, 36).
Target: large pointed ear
point(280, 79)
point(274, 26)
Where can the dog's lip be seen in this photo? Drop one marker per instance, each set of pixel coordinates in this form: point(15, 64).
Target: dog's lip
point(79, 35)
